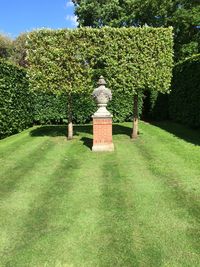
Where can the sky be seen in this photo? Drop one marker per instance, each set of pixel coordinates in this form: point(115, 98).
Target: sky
point(18, 16)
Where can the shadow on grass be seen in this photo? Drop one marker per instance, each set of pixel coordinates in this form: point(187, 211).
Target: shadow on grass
point(84, 131)
point(55, 130)
point(180, 131)
point(87, 142)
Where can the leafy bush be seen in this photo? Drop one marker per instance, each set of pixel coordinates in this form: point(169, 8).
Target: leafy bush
point(15, 100)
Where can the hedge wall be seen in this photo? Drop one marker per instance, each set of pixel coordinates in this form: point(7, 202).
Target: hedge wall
point(15, 100)
point(184, 100)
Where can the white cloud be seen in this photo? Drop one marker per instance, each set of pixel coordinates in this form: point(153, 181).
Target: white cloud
point(72, 19)
point(69, 4)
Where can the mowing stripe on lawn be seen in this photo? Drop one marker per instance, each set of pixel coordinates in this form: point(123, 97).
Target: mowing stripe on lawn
point(26, 195)
point(26, 159)
point(47, 222)
point(142, 196)
point(181, 200)
point(176, 144)
point(19, 151)
point(13, 140)
point(116, 247)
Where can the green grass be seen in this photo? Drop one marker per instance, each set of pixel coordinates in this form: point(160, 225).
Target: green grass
point(63, 205)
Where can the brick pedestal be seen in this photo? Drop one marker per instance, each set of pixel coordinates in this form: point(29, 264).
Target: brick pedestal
point(102, 134)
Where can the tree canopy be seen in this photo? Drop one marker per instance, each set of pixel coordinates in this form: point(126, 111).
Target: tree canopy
point(6, 47)
point(14, 51)
point(19, 50)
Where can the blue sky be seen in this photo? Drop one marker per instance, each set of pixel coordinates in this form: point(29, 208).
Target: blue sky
point(17, 16)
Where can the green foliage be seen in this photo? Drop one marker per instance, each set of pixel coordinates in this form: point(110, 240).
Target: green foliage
point(50, 108)
point(57, 61)
point(117, 13)
point(66, 64)
point(15, 100)
point(185, 96)
point(131, 59)
point(6, 47)
point(14, 51)
point(189, 49)
point(159, 107)
point(182, 15)
point(19, 53)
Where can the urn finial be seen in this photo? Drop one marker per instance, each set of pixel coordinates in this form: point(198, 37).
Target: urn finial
point(101, 81)
point(102, 95)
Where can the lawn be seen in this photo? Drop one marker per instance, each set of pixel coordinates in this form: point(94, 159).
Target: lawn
point(65, 206)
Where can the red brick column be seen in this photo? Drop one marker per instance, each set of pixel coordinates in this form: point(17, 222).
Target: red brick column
point(102, 134)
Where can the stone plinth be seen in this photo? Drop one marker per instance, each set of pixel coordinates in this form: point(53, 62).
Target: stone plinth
point(102, 134)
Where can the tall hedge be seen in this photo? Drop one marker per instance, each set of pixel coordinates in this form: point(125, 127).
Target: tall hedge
point(15, 100)
point(50, 108)
point(184, 100)
point(131, 59)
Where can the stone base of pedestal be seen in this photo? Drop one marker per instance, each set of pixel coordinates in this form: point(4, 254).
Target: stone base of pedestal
point(102, 134)
point(103, 147)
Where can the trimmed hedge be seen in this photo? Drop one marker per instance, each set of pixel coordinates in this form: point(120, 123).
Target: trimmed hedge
point(184, 101)
point(131, 59)
point(15, 100)
point(70, 61)
point(51, 109)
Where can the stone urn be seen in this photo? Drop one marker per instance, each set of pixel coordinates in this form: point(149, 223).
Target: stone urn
point(102, 96)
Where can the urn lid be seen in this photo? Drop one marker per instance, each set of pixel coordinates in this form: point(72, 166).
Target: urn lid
point(101, 81)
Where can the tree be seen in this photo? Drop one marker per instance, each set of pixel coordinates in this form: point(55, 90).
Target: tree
point(183, 15)
point(14, 50)
point(19, 50)
point(56, 64)
point(6, 47)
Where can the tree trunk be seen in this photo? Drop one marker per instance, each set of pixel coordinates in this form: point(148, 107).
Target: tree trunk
point(70, 124)
point(135, 117)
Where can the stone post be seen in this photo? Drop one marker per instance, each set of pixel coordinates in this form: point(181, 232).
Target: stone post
point(102, 119)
